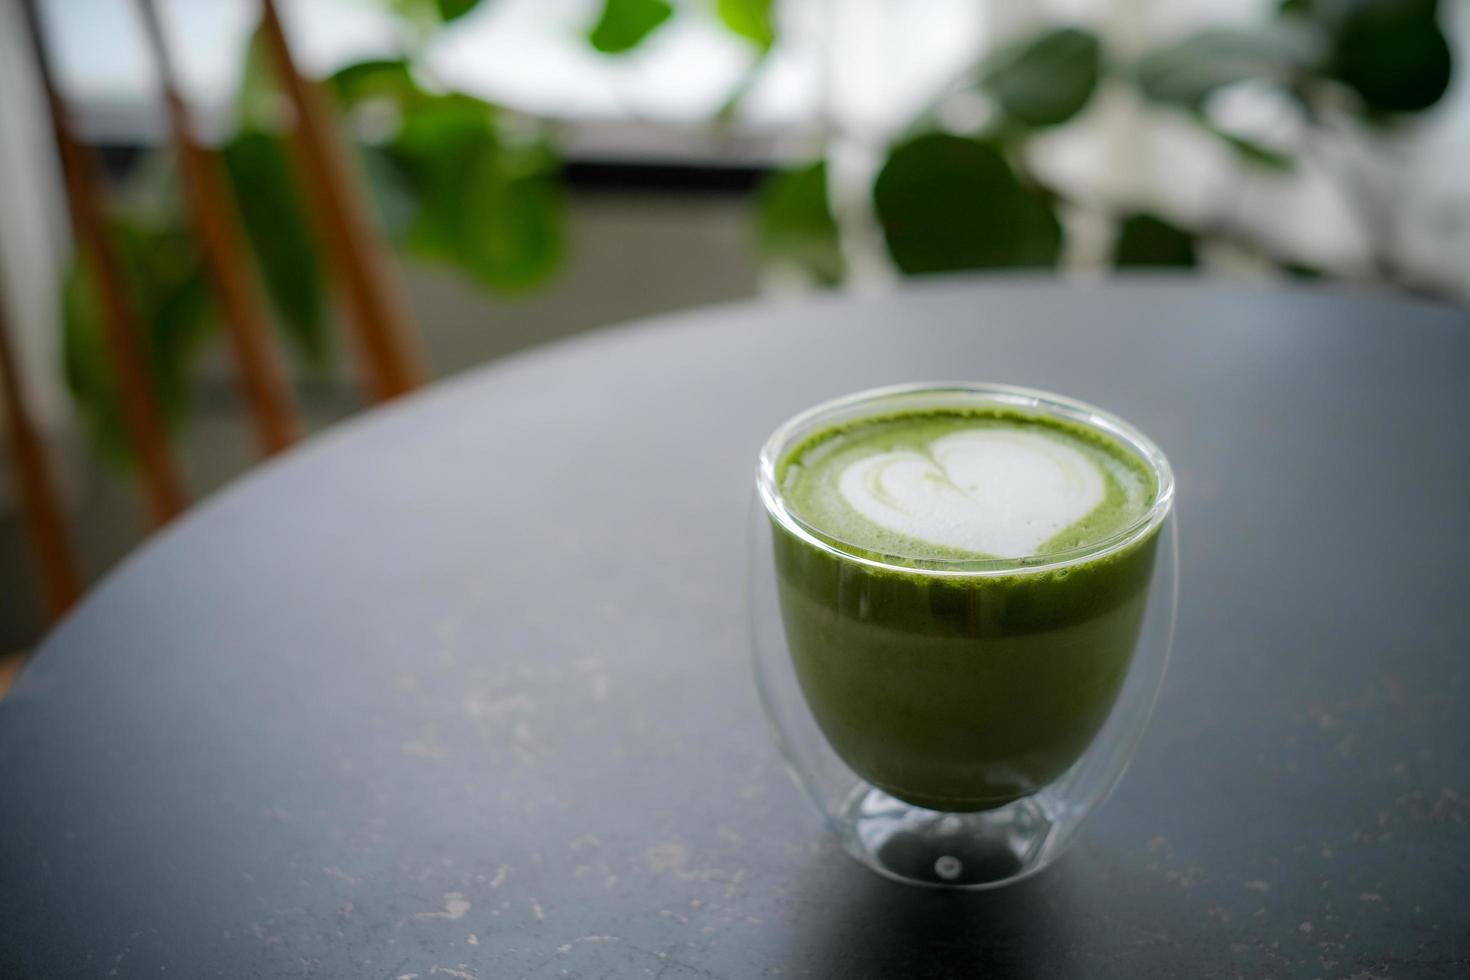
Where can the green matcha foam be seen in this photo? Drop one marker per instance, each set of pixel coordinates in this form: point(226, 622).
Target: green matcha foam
point(964, 483)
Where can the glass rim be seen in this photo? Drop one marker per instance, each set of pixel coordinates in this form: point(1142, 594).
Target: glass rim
point(1036, 401)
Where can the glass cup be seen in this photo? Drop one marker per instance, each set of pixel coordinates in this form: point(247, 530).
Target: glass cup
point(955, 720)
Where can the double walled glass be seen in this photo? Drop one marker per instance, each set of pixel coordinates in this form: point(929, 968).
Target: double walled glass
point(954, 721)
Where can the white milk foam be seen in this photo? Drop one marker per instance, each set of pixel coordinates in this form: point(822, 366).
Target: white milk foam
point(992, 491)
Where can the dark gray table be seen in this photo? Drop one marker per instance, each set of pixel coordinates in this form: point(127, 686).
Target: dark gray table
point(460, 691)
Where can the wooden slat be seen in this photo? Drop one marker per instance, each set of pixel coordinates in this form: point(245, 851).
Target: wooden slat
point(50, 545)
point(163, 487)
point(219, 233)
point(391, 361)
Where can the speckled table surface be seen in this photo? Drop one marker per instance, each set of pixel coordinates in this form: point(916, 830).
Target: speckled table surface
point(459, 690)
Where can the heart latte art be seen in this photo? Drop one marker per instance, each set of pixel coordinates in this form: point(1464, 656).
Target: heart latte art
point(989, 491)
point(946, 485)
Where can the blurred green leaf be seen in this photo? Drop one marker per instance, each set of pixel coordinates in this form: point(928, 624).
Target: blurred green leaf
point(794, 221)
point(1044, 80)
point(1392, 53)
point(414, 11)
point(454, 9)
point(391, 81)
point(419, 14)
point(1257, 153)
point(488, 205)
point(624, 24)
point(1300, 270)
point(1038, 239)
point(390, 190)
point(947, 203)
point(510, 226)
point(431, 13)
point(1187, 72)
point(751, 19)
point(170, 299)
point(449, 187)
point(1148, 240)
point(86, 365)
point(258, 102)
point(1249, 150)
point(388, 78)
point(280, 234)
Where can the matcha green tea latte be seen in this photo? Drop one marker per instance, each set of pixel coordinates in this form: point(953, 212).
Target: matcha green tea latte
point(962, 573)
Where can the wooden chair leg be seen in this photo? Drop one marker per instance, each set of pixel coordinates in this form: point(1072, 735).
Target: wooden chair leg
point(218, 229)
point(41, 514)
point(163, 486)
point(391, 360)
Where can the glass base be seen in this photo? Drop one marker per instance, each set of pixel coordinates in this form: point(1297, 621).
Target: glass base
point(945, 850)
